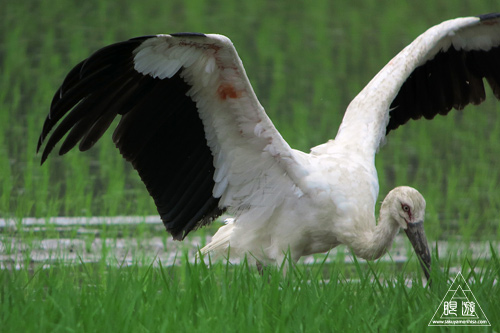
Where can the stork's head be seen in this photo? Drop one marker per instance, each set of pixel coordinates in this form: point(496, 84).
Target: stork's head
point(407, 208)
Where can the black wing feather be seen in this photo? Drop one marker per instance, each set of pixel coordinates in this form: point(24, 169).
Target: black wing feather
point(452, 79)
point(159, 132)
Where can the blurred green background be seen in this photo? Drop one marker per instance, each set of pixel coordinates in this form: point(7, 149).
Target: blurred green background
point(306, 61)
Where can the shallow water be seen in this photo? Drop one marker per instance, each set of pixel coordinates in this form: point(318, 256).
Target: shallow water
point(86, 244)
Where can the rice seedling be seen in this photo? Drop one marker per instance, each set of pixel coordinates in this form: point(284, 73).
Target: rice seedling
point(225, 297)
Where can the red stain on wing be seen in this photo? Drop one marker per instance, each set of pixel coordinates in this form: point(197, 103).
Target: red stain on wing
point(227, 90)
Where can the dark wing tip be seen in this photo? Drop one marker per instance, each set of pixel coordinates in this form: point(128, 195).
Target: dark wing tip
point(100, 77)
point(489, 16)
point(177, 168)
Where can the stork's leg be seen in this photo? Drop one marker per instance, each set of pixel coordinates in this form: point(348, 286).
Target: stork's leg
point(260, 267)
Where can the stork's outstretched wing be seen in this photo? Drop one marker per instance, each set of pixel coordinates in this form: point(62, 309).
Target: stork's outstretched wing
point(190, 124)
point(442, 69)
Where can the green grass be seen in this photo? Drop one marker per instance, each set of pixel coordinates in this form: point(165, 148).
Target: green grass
point(306, 61)
point(226, 298)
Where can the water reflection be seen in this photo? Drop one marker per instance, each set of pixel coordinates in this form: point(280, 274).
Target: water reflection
point(80, 240)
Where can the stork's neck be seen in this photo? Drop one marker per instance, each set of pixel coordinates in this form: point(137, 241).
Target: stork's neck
point(378, 239)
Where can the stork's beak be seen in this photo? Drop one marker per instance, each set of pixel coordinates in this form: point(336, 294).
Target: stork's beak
point(416, 235)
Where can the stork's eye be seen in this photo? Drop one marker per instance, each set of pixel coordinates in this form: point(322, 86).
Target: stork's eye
point(405, 207)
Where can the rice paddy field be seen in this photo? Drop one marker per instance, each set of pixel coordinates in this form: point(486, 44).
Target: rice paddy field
point(81, 247)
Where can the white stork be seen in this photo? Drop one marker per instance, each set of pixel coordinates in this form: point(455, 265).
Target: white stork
point(192, 127)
